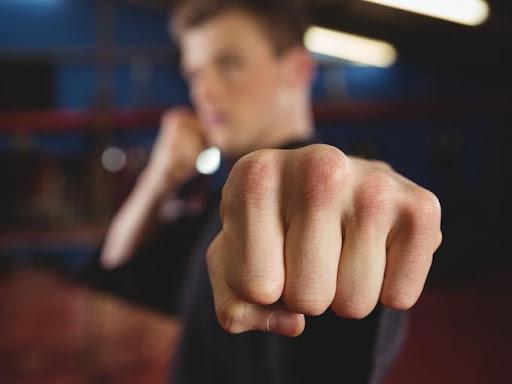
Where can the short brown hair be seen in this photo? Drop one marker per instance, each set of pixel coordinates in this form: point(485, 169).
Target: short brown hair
point(284, 21)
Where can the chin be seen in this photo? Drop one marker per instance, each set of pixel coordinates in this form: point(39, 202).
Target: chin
point(232, 150)
point(228, 146)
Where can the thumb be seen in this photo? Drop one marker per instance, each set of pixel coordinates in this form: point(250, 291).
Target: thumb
point(236, 315)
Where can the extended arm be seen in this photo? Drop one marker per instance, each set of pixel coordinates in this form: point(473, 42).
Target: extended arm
point(311, 229)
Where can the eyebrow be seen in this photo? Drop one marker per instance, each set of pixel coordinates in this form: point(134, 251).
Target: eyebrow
point(224, 52)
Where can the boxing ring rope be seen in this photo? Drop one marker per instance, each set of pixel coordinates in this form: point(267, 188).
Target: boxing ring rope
point(54, 121)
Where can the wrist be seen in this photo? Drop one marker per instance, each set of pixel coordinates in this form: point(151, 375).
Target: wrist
point(158, 181)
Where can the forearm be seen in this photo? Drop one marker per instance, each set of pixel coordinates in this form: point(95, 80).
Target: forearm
point(136, 218)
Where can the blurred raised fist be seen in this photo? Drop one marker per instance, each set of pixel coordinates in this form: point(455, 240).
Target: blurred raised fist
point(172, 162)
point(177, 146)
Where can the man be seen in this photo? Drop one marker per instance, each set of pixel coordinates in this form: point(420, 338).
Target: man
point(306, 242)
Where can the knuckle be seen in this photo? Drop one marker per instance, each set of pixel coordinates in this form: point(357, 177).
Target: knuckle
point(424, 209)
point(324, 173)
point(226, 202)
point(375, 196)
point(310, 305)
point(398, 299)
point(382, 165)
point(262, 291)
point(259, 163)
point(353, 309)
point(255, 176)
point(231, 316)
point(167, 118)
point(378, 185)
point(429, 205)
point(439, 239)
point(173, 117)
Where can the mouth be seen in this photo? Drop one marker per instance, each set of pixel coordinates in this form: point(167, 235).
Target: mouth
point(213, 120)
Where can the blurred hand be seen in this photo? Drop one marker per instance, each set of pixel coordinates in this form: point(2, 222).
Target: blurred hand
point(177, 147)
point(310, 229)
point(171, 163)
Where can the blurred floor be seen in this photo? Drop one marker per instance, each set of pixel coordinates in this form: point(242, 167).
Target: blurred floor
point(460, 334)
point(56, 331)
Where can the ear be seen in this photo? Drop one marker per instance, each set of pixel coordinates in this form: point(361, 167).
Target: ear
point(298, 68)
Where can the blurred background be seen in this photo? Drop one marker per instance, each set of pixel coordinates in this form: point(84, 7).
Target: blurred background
point(83, 84)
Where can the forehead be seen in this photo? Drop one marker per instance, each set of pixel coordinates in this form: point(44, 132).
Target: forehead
point(231, 31)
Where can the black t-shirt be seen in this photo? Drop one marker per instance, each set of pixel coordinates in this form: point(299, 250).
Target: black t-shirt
point(154, 276)
point(331, 349)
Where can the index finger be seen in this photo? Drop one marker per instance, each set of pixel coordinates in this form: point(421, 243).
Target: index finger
point(253, 230)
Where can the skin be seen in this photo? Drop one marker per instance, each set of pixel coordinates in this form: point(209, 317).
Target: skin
point(303, 230)
point(313, 229)
point(243, 93)
point(245, 98)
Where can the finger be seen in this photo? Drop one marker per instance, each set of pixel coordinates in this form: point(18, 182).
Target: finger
point(253, 230)
point(111, 260)
point(319, 180)
point(415, 237)
point(312, 248)
point(236, 315)
point(361, 268)
point(180, 124)
point(313, 241)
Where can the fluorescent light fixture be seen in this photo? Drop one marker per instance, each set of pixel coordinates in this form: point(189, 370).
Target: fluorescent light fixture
point(346, 46)
point(467, 12)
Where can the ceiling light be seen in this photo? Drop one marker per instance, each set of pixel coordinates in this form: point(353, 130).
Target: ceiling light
point(467, 12)
point(346, 46)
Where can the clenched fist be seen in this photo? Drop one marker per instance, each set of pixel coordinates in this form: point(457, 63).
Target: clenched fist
point(172, 162)
point(310, 229)
point(178, 144)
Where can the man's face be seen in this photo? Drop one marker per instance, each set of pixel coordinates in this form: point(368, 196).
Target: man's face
point(235, 81)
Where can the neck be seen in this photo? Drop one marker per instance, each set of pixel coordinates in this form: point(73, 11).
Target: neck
point(294, 124)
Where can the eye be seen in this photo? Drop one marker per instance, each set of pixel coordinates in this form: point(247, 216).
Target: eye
point(229, 64)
